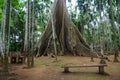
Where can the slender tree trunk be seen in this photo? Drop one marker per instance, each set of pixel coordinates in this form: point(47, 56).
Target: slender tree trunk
point(2, 30)
point(101, 35)
point(26, 30)
point(114, 32)
point(32, 34)
point(5, 36)
point(27, 35)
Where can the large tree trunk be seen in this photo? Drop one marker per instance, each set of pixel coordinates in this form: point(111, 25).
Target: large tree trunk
point(68, 38)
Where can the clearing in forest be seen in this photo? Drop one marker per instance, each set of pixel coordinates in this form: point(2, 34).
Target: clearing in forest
point(46, 69)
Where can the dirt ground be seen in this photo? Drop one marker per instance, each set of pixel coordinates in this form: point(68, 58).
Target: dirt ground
point(47, 69)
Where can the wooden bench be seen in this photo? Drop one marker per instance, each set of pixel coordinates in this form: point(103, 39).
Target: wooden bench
point(100, 67)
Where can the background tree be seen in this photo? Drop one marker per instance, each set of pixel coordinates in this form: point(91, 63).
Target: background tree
point(27, 43)
point(113, 29)
point(85, 14)
point(5, 34)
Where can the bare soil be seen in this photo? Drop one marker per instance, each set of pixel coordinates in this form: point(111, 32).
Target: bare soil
point(47, 69)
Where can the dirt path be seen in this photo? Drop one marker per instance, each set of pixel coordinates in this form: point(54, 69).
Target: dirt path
point(46, 69)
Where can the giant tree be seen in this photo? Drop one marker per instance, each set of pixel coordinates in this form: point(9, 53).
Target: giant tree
point(67, 36)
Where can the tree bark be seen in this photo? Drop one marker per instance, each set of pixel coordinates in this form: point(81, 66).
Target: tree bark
point(114, 32)
point(27, 34)
point(5, 37)
point(68, 38)
point(32, 34)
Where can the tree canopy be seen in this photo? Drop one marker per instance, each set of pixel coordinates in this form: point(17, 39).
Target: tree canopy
point(92, 17)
